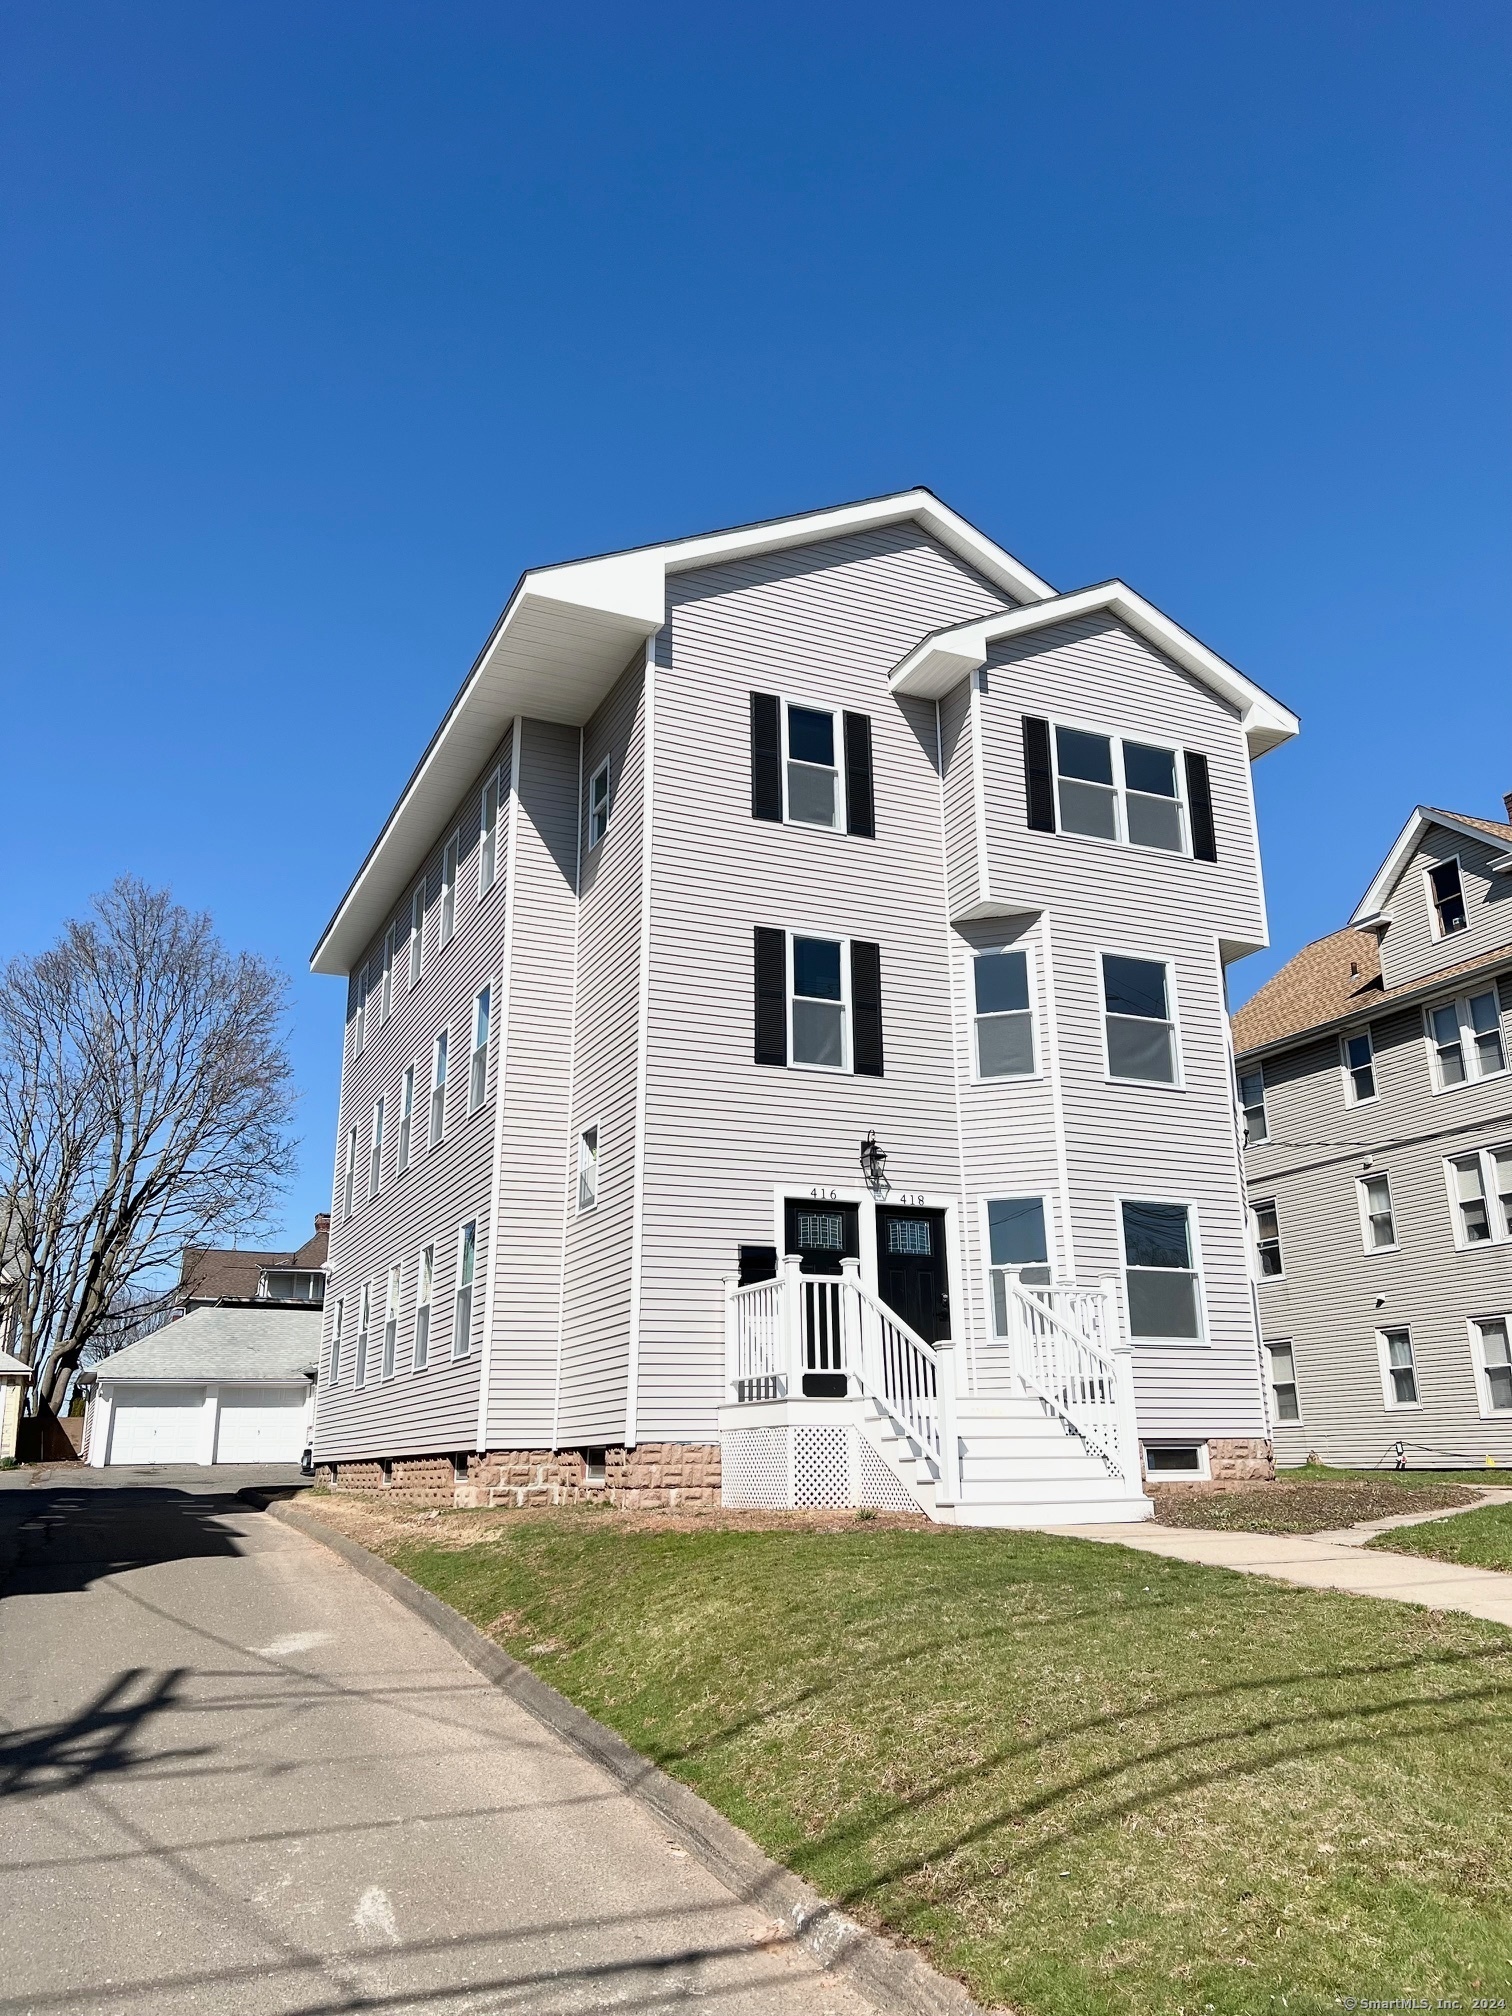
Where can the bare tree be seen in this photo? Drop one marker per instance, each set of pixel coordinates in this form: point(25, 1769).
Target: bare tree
point(145, 1101)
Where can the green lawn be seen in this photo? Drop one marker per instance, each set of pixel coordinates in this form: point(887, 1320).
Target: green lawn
point(1480, 1539)
point(1485, 1477)
point(1082, 1779)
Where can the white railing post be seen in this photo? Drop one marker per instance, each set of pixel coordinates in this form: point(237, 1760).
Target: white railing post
point(792, 1320)
point(1121, 1351)
point(949, 1492)
point(851, 1345)
point(731, 1332)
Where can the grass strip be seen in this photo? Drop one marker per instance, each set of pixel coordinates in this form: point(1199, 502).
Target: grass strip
point(1480, 1539)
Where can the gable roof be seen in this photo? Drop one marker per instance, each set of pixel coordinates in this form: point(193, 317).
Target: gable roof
point(1424, 818)
point(565, 636)
point(269, 1341)
point(936, 664)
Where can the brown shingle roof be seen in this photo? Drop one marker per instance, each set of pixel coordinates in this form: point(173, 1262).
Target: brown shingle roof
point(1319, 990)
point(209, 1272)
point(1499, 829)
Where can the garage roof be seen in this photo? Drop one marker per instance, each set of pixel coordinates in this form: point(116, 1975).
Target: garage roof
point(230, 1345)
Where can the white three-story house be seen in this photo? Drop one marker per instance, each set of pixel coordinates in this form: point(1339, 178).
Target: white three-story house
point(786, 1050)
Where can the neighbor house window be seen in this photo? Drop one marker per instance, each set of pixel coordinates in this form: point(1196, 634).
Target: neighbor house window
point(1016, 1247)
point(1376, 1213)
point(417, 935)
point(438, 1087)
point(1141, 1030)
point(467, 1253)
point(420, 1357)
point(375, 1150)
point(349, 1174)
point(386, 997)
point(1268, 1237)
point(488, 836)
point(588, 1168)
point(812, 772)
point(336, 1324)
point(1283, 1383)
point(1467, 1039)
point(1448, 898)
point(1359, 1068)
point(1398, 1372)
point(1119, 790)
point(1480, 1188)
point(390, 1322)
point(363, 1320)
point(598, 804)
point(406, 1117)
point(477, 1078)
point(1252, 1107)
point(1004, 1022)
point(1494, 1363)
point(818, 1004)
point(1470, 1196)
point(1160, 1278)
point(449, 888)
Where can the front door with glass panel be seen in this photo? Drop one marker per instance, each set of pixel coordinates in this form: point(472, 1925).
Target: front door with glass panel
point(822, 1235)
point(912, 1274)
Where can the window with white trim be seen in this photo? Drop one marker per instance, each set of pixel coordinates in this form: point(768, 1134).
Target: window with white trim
point(1267, 1236)
point(1493, 1362)
point(1446, 898)
point(349, 1174)
point(406, 1118)
point(438, 1086)
point(1480, 1194)
point(1112, 789)
point(359, 1013)
point(1283, 1378)
point(449, 856)
point(1176, 1459)
point(477, 1077)
point(363, 1320)
point(1377, 1220)
point(417, 935)
point(588, 1169)
point(390, 1321)
point(598, 804)
point(336, 1324)
point(1399, 1387)
point(1017, 1250)
point(386, 996)
point(1252, 1107)
point(425, 1281)
point(810, 752)
point(488, 833)
point(467, 1255)
point(818, 1004)
point(1359, 1068)
point(375, 1151)
point(1138, 1019)
point(1004, 1020)
point(1467, 1039)
point(1162, 1286)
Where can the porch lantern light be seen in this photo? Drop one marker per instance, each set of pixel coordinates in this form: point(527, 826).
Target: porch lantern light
point(874, 1164)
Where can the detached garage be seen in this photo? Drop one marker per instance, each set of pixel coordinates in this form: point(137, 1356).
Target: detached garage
point(218, 1386)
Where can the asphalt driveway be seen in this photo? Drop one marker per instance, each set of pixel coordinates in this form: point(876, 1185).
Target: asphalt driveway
point(238, 1778)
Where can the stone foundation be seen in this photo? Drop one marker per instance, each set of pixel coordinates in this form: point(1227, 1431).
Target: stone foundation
point(668, 1475)
point(1231, 1460)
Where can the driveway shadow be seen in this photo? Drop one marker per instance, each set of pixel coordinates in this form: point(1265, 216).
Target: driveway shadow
point(57, 1539)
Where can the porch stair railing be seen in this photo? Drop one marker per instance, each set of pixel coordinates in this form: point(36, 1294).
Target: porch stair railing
point(1063, 1347)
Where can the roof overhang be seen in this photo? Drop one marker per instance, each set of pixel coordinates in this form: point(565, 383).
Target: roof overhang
point(566, 635)
point(1370, 912)
point(933, 667)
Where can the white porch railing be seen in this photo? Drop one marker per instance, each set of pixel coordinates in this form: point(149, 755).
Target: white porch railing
point(1063, 1346)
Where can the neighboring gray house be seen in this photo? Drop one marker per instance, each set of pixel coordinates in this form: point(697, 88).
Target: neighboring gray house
point(1373, 1073)
point(787, 1052)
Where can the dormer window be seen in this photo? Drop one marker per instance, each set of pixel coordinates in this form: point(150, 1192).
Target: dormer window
point(1448, 898)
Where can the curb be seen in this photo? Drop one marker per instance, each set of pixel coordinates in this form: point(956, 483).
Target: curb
point(894, 1979)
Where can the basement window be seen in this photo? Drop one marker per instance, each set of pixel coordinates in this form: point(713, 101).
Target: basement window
point(594, 1471)
point(1176, 1459)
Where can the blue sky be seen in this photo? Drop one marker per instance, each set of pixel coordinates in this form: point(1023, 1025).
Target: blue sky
point(322, 323)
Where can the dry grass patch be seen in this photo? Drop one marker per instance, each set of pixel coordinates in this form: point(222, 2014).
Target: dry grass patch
point(1308, 1505)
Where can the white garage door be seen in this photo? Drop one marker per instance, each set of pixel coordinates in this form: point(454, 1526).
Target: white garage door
point(261, 1424)
point(157, 1424)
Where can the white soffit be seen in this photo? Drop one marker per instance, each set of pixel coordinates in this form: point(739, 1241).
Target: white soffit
point(566, 635)
point(940, 661)
point(1368, 912)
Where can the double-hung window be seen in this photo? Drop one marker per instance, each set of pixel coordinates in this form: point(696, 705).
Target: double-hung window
point(390, 1322)
point(375, 1151)
point(588, 1168)
point(449, 888)
point(1480, 1193)
point(488, 834)
point(1140, 1025)
point(1161, 1281)
point(364, 1318)
point(1016, 1249)
point(1119, 790)
point(467, 1255)
point(818, 1006)
point(818, 1002)
point(1475, 1228)
point(1004, 1019)
point(1268, 1237)
point(1359, 1068)
point(1446, 897)
point(359, 1013)
point(812, 772)
point(1399, 1386)
point(336, 1323)
point(1283, 1369)
point(386, 997)
point(1467, 1038)
point(1252, 1107)
point(477, 1077)
point(417, 935)
point(1376, 1218)
point(598, 804)
point(349, 1174)
point(406, 1118)
point(811, 766)
point(438, 1086)
point(420, 1356)
point(1087, 794)
point(1493, 1363)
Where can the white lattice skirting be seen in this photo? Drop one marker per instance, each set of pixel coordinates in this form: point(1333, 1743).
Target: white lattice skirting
point(772, 1468)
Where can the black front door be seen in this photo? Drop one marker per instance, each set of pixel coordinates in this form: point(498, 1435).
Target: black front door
point(911, 1269)
point(822, 1235)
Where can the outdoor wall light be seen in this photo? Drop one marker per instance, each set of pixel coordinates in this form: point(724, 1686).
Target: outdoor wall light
point(874, 1164)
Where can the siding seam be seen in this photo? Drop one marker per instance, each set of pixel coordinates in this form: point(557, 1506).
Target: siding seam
point(968, 1269)
point(572, 1113)
point(485, 1356)
point(642, 1045)
point(1057, 1102)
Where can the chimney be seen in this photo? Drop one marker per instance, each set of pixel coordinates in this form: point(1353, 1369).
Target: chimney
point(322, 1222)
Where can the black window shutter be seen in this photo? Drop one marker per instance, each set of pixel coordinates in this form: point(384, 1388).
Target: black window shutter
point(771, 996)
point(766, 757)
point(1200, 806)
point(1039, 789)
point(866, 1008)
point(860, 813)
